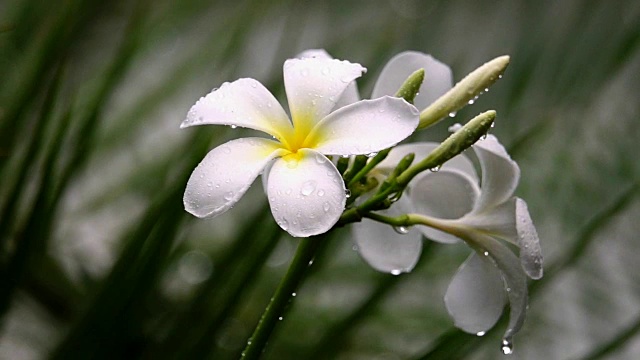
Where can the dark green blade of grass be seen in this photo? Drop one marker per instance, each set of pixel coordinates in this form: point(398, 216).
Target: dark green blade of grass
point(9, 210)
point(31, 239)
point(241, 283)
point(189, 326)
point(336, 337)
point(52, 48)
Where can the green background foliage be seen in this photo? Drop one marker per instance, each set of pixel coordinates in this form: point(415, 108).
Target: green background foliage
point(99, 260)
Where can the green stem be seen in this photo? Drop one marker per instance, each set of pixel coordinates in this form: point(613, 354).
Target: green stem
point(275, 310)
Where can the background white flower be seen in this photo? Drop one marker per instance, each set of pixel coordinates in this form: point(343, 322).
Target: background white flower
point(452, 200)
point(438, 77)
point(305, 191)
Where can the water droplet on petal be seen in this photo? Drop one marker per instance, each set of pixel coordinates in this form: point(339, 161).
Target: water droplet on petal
point(321, 159)
point(396, 272)
point(402, 230)
point(284, 224)
point(481, 333)
point(304, 72)
point(294, 294)
point(234, 126)
point(347, 193)
point(372, 154)
point(435, 169)
point(226, 149)
point(507, 347)
point(326, 71)
point(321, 193)
point(308, 187)
point(228, 195)
point(326, 206)
point(344, 156)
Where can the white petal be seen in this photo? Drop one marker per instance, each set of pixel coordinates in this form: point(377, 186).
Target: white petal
point(421, 151)
point(437, 80)
point(498, 221)
point(314, 86)
point(225, 174)
point(365, 127)
point(306, 193)
point(385, 249)
point(350, 94)
point(314, 53)
point(514, 278)
point(447, 194)
point(244, 102)
point(500, 174)
point(475, 297)
point(530, 251)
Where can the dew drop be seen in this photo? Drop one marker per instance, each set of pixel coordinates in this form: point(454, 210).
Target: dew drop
point(288, 191)
point(486, 253)
point(372, 154)
point(347, 193)
point(326, 71)
point(280, 318)
point(326, 206)
point(481, 333)
point(321, 193)
point(507, 347)
point(345, 156)
point(304, 72)
point(396, 272)
point(234, 126)
point(254, 85)
point(346, 79)
point(308, 187)
point(284, 224)
point(435, 169)
point(455, 127)
point(402, 230)
point(486, 90)
point(355, 248)
point(381, 110)
point(452, 114)
point(269, 104)
point(499, 76)
point(294, 294)
point(470, 102)
point(226, 149)
point(228, 195)
point(321, 159)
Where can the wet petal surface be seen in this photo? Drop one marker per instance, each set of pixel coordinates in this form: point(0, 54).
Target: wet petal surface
point(306, 193)
point(225, 174)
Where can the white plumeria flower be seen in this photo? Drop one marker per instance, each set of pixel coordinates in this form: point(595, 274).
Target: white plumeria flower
point(438, 77)
point(305, 191)
point(452, 200)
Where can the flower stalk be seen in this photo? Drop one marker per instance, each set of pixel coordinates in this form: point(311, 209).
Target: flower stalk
point(277, 305)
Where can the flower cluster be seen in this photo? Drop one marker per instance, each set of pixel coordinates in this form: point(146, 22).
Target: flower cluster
point(306, 190)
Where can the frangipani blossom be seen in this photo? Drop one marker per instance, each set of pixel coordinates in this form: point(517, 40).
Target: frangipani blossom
point(305, 190)
point(452, 201)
